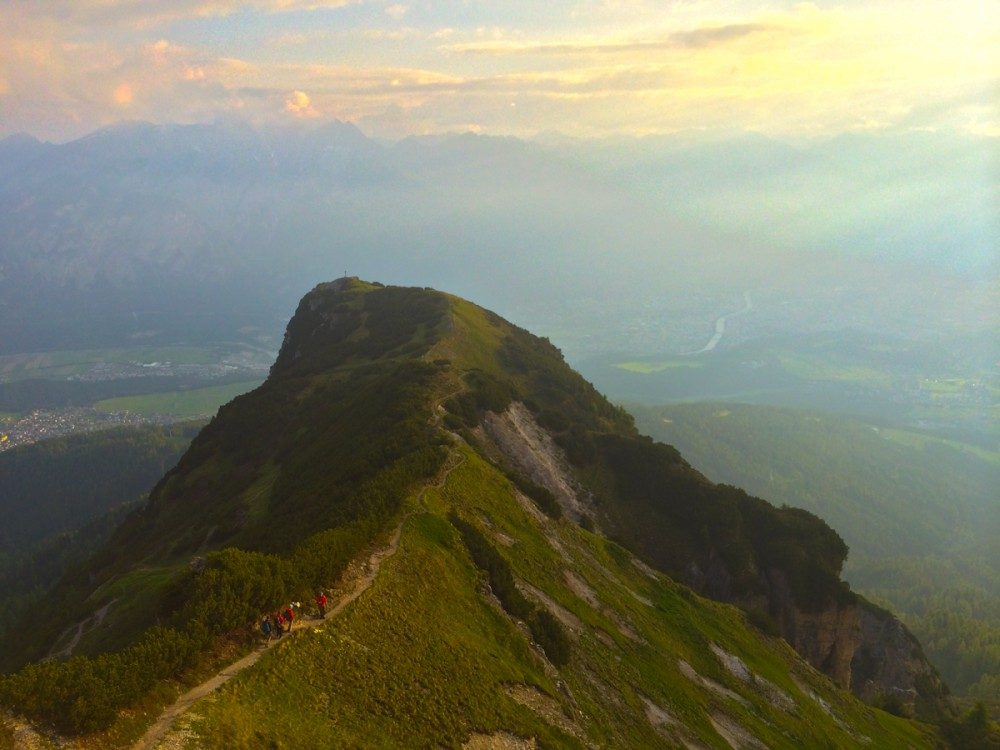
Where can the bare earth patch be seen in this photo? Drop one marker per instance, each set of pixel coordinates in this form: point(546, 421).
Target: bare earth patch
point(645, 569)
point(579, 587)
point(532, 510)
point(534, 453)
point(738, 668)
point(501, 538)
point(657, 715)
point(555, 544)
point(562, 614)
point(624, 627)
point(545, 706)
point(828, 710)
point(640, 598)
point(499, 741)
point(737, 737)
point(605, 638)
point(609, 694)
point(688, 671)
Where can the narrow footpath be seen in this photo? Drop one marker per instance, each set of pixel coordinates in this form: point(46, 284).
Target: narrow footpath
point(362, 581)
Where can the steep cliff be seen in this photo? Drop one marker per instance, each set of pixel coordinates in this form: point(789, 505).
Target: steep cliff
point(780, 565)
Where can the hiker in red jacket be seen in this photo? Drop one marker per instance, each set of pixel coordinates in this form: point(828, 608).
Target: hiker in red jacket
point(321, 604)
point(279, 622)
point(289, 615)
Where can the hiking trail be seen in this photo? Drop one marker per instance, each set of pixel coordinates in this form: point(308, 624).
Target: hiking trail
point(81, 629)
point(361, 578)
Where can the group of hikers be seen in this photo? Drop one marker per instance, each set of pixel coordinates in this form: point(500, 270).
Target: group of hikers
point(280, 622)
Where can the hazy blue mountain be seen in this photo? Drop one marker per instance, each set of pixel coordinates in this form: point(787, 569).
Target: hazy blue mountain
point(141, 230)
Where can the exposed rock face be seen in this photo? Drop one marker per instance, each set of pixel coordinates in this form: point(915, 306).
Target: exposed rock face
point(534, 453)
point(324, 318)
point(857, 645)
point(860, 647)
point(827, 638)
point(888, 659)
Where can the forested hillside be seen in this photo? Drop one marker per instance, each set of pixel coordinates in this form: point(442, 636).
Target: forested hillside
point(62, 498)
point(58, 485)
point(921, 515)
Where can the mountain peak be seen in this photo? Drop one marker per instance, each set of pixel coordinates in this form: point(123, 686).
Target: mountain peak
point(408, 414)
point(349, 320)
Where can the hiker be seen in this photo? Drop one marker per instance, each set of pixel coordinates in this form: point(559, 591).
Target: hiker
point(265, 627)
point(321, 604)
point(278, 623)
point(289, 615)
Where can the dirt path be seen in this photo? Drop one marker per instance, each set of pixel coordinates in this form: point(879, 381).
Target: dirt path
point(361, 582)
point(95, 620)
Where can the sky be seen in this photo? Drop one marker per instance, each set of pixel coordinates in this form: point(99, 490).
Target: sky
point(518, 67)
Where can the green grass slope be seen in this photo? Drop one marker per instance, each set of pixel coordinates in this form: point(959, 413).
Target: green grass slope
point(282, 488)
point(920, 514)
point(428, 658)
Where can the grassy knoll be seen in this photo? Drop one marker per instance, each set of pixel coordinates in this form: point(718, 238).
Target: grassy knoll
point(195, 402)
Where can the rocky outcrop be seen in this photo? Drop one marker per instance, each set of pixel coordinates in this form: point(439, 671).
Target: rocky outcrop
point(889, 659)
point(859, 646)
point(532, 452)
point(827, 639)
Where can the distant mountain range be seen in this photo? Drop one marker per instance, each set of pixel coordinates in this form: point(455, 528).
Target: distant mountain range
point(162, 232)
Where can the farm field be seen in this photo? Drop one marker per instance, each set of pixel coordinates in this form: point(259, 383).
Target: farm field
point(195, 402)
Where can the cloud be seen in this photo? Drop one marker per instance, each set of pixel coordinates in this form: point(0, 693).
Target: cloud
point(803, 71)
point(123, 94)
point(696, 38)
point(707, 36)
point(299, 104)
point(397, 11)
point(150, 13)
point(395, 35)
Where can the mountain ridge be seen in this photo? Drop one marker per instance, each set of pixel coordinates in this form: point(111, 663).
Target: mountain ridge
point(291, 482)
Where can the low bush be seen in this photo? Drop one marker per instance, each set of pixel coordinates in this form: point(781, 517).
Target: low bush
point(541, 496)
point(546, 630)
point(549, 633)
point(497, 570)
